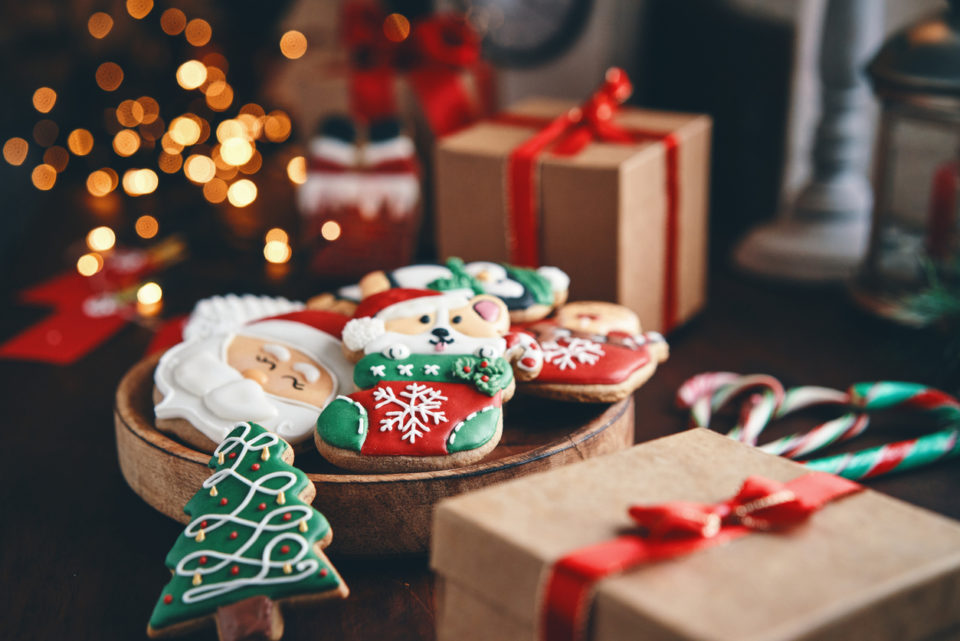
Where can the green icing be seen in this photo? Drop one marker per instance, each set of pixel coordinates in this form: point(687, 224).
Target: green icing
point(534, 282)
point(476, 431)
point(459, 279)
point(258, 558)
point(343, 424)
point(449, 368)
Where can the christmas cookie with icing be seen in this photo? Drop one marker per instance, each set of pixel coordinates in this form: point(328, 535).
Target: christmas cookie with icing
point(253, 541)
point(593, 352)
point(530, 294)
point(279, 371)
point(433, 376)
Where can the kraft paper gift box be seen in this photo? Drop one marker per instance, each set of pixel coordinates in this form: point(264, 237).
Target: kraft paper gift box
point(626, 221)
point(863, 567)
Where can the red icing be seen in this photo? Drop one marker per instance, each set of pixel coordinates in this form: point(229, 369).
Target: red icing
point(330, 322)
point(262, 506)
point(323, 572)
point(466, 369)
point(233, 535)
point(529, 361)
point(223, 501)
point(461, 401)
point(203, 524)
point(168, 599)
point(233, 455)
point(484, 363)
point(614, 366)
point(484, 378)
point(255, 467)
point(287, 516)
point(235, 569)
point(284, 549)
point(202, 560)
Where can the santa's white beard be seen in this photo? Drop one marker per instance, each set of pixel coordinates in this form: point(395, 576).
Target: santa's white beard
point(214, 397)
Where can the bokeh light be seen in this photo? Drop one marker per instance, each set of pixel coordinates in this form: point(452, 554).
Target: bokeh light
point(99, 25)
point(277, 235)
point(57, 157)
point(126, 142)
point(151, 109)
point(276, 251)
point(199, 168)
point(236, 151)
point(138, 182)
point(15, 151)
point(139, 9)
point(191, 74)
point(89, 264)
point(44, 177)
point(109, 76)
point(169, 163)
point(330, 230)
point(45, 132)
point(100, 183)
point(219, 96)
point(396, 27)
point(198, 32)
point(253, 165)
point(101, 239)
point(173, 21)
point(184, 131)
point(297, 170)
point(276, 126)
point(44, 99)
point(80, 142)
point(215, 191)
point(293, 44)
point(149, 293)
point(130, 113)
point(146, 226)
point(242, 193)
point(230, 128)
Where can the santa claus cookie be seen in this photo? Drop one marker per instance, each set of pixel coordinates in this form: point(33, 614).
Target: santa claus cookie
point(279, 372)
point(432, 378)
point(530, 294)
point(593, 352)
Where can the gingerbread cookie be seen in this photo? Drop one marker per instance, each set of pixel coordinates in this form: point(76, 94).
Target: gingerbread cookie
point(432, 378)
point(279, 371)
point(530, 294)
point(253, 541)
point(594, 352)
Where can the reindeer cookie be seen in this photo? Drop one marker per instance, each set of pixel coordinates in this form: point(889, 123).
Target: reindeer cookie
point(530, 294)
point(592, 352)
point(432, 377)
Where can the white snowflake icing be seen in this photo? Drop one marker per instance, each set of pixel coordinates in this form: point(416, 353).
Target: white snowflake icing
point(405, 370)
point(568, 352)
point(378, 370)
point(431, 369)
point(418, 406)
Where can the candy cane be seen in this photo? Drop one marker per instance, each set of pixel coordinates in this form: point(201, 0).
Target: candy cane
point(707, 393)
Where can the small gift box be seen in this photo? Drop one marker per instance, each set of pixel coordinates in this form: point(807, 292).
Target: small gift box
point(616, 197)
point(693, 536)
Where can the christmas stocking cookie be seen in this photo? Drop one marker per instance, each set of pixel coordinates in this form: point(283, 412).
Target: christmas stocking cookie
point(432, 378)
point(593, 352)
point(253, 541)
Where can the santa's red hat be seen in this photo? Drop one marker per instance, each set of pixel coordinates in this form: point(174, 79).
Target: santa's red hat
point(368, 319)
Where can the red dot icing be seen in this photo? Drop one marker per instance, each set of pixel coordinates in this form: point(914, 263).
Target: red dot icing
point(203, 524)
point(528, 361)
point(168, 599)
point(255, 467)
point(202, 560)
point(235, 569)
point(223, 501)
point(233, 535)
point(484, 363)
point(466, 369)
point(233, 455)
point(323, 572)
point(262, 506)
point(484, 378)
point(284, 549)
point(287, 516)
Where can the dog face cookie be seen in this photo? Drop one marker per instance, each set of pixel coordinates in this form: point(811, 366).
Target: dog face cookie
point(594, 366)
point(280, 372)
point(529, 294)
point(432, 378)
point(253, 539)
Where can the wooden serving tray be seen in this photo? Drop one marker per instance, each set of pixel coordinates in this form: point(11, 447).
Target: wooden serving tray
point(371, 514)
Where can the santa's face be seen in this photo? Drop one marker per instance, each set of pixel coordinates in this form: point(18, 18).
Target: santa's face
point(219, 381)
point(280, 370)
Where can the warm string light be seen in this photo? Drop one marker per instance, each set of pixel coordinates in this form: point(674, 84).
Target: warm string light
point(276, 252)
point(147, 226)
point(99, 25)
point(138, 9)
point(191, 74)
point(198, 32)
point(149, 299)
point(130, 113)
point(139, 182)
point(242, 193)
point(276, 235)
point(57, 157)
point(199, 168)
point(44, 99)
point(396, 27)
point(44, 177)
point(15, 151)
point(89, 264)
point(80, 142)
point(126, 142)
point(293, 44)
point(330, 230)
point(297, 170)
point(173, 22)
point(109, 76)
point(101, 239)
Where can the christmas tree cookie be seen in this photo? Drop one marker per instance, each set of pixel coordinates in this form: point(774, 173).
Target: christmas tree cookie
point(253, 541)
point(593, 352)
point(530, 294)
point(432, 377)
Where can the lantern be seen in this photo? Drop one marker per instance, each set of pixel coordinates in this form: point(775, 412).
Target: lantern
point(914, 235)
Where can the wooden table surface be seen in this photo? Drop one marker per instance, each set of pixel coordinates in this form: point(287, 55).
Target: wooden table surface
point(81, 556)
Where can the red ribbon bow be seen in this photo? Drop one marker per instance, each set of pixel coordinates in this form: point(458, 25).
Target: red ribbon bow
point(677, 529)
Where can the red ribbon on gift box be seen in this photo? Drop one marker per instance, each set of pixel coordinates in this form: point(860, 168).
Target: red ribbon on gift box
point(433, 57)
point(677, 529)
point(567, 135)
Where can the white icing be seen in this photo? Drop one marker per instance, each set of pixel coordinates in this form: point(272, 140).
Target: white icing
point(397, 352)
point(558, 279)
point(204, 373)
point(378, 370)
point(400, 147)
point(221, 314)
point(271, 522)
point(325, 191)
point(418, 405)
point(359, 332)
point(486, 351)
point(568, 352)
point(494, 280)
point(335, 151)
point(311, 373)
point(397, 193)
point(528, 349)
point(279, 352)
point(456, 428)
point(405, 370)
point(240, 400)
point(431, 370)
